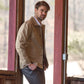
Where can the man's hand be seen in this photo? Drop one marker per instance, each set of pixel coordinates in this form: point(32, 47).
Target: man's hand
point(44, 67)
point(32, 66)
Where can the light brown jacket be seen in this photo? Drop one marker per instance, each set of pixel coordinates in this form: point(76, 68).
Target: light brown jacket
point(30, 44)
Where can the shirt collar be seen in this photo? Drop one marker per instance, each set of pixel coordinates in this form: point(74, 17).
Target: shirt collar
point(37, 21)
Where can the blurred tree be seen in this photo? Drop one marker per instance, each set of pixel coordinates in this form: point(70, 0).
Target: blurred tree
point(76, 14)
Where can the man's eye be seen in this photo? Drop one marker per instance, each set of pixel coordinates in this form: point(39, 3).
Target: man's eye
point(41, 10)
point(46, 11)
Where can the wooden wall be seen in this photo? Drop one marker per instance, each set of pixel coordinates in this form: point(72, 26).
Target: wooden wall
point(7, 77)
point(74, 80)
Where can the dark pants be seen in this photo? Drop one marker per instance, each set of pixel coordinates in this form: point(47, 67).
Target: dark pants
point(34, 77)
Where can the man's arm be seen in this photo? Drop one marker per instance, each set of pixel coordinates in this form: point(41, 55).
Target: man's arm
point(21, 44)
point(45, 61)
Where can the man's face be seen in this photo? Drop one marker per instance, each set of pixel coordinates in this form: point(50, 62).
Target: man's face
point(41, 13)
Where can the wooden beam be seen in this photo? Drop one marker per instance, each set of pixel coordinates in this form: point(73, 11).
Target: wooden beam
point(20, 20)
point(58, 41)
point(12, 35)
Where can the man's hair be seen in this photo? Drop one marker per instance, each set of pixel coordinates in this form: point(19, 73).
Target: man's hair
point(42, 3)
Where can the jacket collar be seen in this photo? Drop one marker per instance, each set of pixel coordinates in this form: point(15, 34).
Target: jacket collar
point(33, 21)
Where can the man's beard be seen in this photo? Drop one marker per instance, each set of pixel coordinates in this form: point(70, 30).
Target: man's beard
point(41, 18)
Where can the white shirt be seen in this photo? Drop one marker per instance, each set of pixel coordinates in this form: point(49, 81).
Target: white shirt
point(37, 21)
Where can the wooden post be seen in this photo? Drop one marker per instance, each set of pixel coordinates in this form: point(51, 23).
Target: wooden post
point(20, 20)
point(59, 41)
point(12, 35)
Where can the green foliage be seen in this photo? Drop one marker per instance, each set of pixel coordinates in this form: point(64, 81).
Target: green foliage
point(76, 48)
point(0, 19)
point(73, 45)
point(2, 6)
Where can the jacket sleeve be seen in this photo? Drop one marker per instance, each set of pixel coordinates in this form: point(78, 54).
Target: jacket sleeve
point(21, 44)
point(45, 61)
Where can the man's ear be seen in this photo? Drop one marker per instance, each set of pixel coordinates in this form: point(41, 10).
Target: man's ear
point(35, 9)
